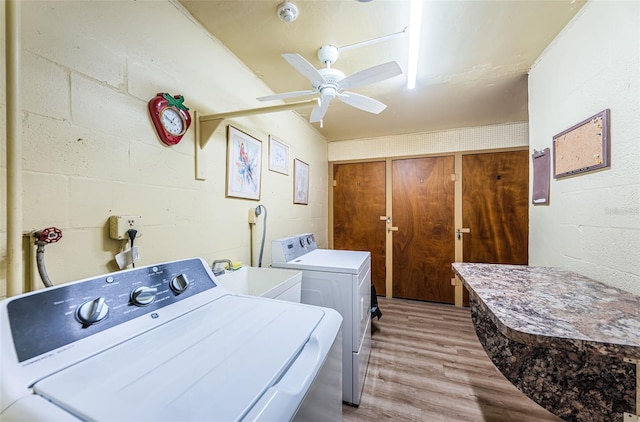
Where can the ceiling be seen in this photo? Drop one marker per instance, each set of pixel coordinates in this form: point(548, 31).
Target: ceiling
point(473, 64)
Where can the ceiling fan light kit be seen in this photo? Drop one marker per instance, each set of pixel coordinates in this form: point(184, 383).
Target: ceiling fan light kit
point(328, 54)
point(287, 11)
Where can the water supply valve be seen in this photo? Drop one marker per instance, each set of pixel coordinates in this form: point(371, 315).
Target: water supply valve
point(44, 236)
point(48, 235)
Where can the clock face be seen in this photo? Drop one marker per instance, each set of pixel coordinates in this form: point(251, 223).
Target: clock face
point(172, 121)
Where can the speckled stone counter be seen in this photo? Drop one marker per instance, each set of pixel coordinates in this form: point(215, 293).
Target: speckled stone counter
point(569, 342)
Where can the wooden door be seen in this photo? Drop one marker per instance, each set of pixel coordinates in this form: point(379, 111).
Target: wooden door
point(358, 203)
point(495, 192)
point(423, 211)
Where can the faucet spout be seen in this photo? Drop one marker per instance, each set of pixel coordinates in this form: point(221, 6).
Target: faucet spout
point(219, 269)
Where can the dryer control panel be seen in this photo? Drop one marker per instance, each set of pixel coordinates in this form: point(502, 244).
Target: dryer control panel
point(48, 319)
point(289, 248)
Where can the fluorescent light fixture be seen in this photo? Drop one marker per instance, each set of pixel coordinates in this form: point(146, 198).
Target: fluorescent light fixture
point(415, 20)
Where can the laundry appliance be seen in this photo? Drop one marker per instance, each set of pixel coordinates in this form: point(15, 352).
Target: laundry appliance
point(166, 342)
point(340, 280)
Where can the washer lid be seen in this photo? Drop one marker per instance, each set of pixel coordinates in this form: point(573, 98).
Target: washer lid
point(329, 260)
point(213, 363)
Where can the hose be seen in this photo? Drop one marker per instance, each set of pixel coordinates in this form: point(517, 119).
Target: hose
point(42, 270)
point(264, 231)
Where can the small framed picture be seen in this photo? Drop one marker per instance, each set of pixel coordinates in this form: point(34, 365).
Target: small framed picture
point(300, 182)
point(278, 156)
point(244, 156)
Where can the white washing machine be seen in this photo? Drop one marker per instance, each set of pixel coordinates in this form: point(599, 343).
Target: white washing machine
point(165, 342)
point(340, 280)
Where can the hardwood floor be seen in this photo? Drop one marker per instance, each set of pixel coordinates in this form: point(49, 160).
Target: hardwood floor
point(427, 364)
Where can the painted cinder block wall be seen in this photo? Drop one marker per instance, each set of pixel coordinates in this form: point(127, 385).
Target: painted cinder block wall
point(90, 150)
point(592, 223)
point(91, 64)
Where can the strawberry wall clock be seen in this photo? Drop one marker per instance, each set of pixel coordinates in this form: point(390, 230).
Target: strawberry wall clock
point(170, 117)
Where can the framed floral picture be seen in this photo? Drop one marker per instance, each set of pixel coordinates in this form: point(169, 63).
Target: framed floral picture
point(244, 156)
point(300, 182)
point(278, 156)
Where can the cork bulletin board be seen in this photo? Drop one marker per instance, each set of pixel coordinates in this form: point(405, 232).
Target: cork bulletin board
point(583, 147)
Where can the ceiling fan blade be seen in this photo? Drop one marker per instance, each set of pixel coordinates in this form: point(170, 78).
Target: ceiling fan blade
point(286, 95)
point(362, 102)
point(371, 75)
point(304, 67)
point(318, 112)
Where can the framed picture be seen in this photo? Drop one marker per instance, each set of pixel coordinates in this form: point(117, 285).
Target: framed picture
point(244, 156)
point(300, 182)
point(278, 156)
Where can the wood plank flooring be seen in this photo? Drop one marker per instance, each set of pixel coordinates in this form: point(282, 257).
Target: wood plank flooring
point(427, 364)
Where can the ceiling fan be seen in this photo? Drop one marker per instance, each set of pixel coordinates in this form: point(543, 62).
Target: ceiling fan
point(331, 83)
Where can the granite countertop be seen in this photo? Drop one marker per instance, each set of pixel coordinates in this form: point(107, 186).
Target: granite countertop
point(538, 305)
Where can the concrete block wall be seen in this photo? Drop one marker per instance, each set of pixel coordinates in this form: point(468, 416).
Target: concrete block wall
point(592, 223)
point(90, 150)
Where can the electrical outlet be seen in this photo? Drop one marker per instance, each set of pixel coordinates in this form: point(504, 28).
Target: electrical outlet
point(252, 216)
point(120, 224)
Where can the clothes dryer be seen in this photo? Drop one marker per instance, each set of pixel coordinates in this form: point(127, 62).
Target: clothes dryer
point(340, 280)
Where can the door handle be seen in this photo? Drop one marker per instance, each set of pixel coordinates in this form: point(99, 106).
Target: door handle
point(388, 220)
point(463, 230)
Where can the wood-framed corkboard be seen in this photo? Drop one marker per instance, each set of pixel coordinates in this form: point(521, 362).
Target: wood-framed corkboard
point(583, 147)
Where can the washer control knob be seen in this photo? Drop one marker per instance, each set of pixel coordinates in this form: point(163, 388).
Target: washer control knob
point(302, 242)
point(92, 311)
point(179, 283)
point(143, 296)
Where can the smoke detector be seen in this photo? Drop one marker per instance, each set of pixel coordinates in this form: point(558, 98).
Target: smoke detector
point(287, 11)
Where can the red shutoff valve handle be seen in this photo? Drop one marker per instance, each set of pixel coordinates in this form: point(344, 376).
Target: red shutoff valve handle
point(49, 235)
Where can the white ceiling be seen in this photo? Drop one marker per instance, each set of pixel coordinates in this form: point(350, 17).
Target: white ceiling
point(474, 56)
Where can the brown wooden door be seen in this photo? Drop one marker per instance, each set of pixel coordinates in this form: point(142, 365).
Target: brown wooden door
point(423, 211)
point(358, 203)
point(495, 189)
